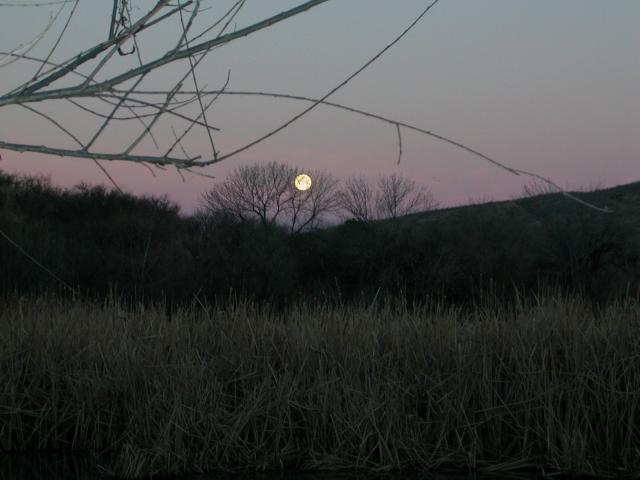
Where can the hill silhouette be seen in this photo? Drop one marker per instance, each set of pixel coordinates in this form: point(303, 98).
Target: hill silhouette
point(474, 252)
point(140, 248)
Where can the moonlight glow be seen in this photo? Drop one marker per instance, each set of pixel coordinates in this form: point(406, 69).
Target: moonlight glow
point(303, 182)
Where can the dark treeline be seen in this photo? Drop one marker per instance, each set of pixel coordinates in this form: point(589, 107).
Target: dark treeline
point(139, 248)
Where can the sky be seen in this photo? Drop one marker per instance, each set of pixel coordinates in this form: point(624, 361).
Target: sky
point(550, 87)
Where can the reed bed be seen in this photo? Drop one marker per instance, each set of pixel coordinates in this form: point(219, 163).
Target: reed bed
point(550, 384)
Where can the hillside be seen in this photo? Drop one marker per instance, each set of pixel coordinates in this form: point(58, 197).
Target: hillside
point(545, 241)
point(103, 243)
point(623, 200)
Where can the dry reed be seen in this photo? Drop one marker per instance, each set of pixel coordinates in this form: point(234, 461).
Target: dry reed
point(549, 385)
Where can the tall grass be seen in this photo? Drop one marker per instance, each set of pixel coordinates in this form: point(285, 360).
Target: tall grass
point(550, 384)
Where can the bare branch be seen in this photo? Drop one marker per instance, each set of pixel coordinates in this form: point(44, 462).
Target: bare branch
point(399, 143)
point(398, 123)
point(231, 13)
point(28, 91)
point(195, 122)
point(35, 261)
point(331, 92)
point(64, 152)
point(398, 196)
point(356, 199)
point(28, 46)
point(31, 93)
point(184, 39)
point(113, 23)
point(109, 117)
point(57, 42)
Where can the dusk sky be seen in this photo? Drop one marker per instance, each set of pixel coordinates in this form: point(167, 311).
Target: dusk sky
point(551, 86)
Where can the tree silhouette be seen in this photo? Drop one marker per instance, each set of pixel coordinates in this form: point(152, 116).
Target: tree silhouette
point(265, 193)
point(398, 195)
point(357, 199)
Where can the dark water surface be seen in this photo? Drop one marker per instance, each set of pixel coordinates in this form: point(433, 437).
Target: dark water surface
point(58, 466)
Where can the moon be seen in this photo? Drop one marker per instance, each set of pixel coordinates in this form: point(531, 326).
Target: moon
point(302, 182)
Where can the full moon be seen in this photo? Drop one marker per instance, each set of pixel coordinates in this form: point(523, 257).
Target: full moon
point(303, 182)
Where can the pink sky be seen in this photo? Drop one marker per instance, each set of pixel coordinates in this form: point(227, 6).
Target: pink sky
point(550, 88)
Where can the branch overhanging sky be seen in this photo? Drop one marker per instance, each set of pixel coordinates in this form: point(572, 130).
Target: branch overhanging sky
point(549, 87)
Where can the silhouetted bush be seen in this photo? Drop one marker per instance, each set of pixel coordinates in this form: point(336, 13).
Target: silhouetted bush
point(242, 257)
point(106, 243)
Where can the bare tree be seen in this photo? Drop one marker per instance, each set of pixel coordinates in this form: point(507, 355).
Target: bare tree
point(306, 209)
point(253, 193)
point(266, 194)
point(357, 199)
point(398, 195)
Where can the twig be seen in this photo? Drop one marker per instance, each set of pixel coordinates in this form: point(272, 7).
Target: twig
point(235, 8)
point(31, 94)
point(68, 133)
point(170, 111)
point(200, 174)
point(108, 175)
point(195, 122)
point(396, 123)
point(57, 42)
point(35, 261)
point(64, 152)
point(112, 24)
point(163, 108)
point(72, 65)
point(184, 38)
point(113, 111)
point(32, 43)
point(399, 143)
point(331, 92)
point(184, 152)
